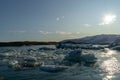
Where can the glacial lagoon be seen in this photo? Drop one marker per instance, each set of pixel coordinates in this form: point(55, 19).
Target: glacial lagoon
point(107, 66)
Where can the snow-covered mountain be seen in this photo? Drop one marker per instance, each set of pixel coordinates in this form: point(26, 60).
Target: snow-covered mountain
point(98, 39)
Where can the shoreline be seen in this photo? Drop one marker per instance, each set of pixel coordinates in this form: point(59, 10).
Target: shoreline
point(25, 43)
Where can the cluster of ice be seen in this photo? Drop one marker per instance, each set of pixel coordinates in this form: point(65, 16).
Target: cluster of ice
point(66, 46)
point(44, 56)
point(46, 48)
point(77, 56)
point(7, 53)
point(71, 64)
point(116, 48)
point(78, 46)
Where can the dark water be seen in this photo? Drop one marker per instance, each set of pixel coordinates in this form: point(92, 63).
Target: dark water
point(107, 67)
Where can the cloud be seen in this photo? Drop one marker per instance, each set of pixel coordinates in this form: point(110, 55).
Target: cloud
point(21, 31)
point(101, 24)
point(63, 33)
point(56, 32)
point(87, 25)
point(77, 32)
point(60, 18)
point(63, 17)
point(44, 32)
point(57, 18)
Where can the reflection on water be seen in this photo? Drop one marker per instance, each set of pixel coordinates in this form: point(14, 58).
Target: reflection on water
point(108, 53)
point(111, 64)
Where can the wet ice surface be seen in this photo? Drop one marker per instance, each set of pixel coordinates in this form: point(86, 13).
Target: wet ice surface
point(107, 67)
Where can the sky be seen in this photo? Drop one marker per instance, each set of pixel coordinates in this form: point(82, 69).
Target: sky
point(56, 20)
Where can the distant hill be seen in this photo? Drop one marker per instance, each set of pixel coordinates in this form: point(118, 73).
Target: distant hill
point(25, 43)
point(98, 39)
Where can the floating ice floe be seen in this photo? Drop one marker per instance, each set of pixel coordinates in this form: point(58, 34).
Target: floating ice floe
point(29, 62)
point(116, 48)
point(66, 46)
point(46, 48)
point(78, 46)
point(62, 51)
point(25, 64)
point(76, 56)
point(7, 53)
point(88, 59)
point(53, 68)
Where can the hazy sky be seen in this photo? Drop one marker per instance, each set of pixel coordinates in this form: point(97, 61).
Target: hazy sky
point(55, 20)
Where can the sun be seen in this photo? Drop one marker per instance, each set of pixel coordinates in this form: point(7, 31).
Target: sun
point(109, 18)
